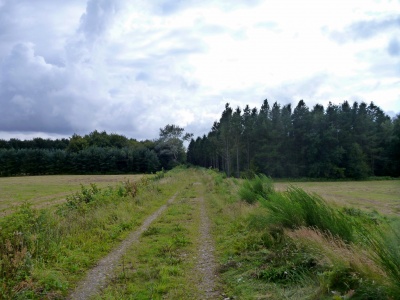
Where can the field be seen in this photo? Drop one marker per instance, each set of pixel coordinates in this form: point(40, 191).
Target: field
point(43, 191)
point(195, 234)
point(382, 196)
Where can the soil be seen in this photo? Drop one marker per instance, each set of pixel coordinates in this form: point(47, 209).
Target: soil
point(206, 265)
point(97, 278)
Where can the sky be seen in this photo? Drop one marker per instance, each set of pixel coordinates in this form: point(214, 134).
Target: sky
point(131, 67)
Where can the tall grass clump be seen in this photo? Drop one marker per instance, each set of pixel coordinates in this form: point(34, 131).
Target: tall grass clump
point(384, 241)
point(296, 208)
point(253, 189)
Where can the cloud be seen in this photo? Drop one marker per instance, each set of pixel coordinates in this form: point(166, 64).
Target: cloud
point(366, 29)
point(27, 83)
point(97, 18)
point(394, 47)
point(133, 66)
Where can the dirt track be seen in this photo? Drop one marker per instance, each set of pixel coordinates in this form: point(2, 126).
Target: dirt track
point(206, 261)
point(97, 277)
point(205, 267)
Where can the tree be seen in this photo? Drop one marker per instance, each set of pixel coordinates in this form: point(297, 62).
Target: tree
point(249, 124)
point(170, 147)
point(77, 143)
point(301, 125)
point(237, 131)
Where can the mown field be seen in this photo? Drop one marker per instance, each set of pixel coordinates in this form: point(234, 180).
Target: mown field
point(382, 196)
point(43, 191)
point(271, 241)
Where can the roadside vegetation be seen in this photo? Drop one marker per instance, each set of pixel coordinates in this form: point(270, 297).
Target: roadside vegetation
point(45, 252)
point(269, 243)
point(294, 245)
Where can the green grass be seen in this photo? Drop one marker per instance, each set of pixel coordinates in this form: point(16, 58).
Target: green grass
point(294, 245)
point(382, 196)
point(44, 191)
point(162, 265)
point(45, 252)
point(290, 245)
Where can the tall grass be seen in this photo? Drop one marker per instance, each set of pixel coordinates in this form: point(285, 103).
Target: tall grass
point(358, 256)
point(43, 252)
point(260, 186)
point(295, 208)
point(384, 241)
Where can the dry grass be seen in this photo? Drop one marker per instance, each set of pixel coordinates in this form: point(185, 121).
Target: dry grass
point(382, 196)
point(334, 252)
point(44, 191)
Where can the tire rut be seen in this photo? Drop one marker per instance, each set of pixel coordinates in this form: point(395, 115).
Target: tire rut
point(97, 277)
point(206, 265)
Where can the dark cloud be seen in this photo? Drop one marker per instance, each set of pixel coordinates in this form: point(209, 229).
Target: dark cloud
point(365, 29)
point(27, 85)
point(131, 67)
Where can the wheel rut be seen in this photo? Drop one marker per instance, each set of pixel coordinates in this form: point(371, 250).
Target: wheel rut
point(97, 277)
point(206, 265)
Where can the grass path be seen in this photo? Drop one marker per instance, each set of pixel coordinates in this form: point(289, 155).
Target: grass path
point(175, 256)
point(97, 277)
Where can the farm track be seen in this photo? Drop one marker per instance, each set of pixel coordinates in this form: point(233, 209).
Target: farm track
point(205, 263)
point(97, 277)
point(206, 266)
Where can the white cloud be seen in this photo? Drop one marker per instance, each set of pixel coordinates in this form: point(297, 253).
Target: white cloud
point(132, 67)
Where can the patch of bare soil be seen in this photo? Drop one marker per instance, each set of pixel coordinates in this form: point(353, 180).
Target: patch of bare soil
point(97, 278)
point(206, 266)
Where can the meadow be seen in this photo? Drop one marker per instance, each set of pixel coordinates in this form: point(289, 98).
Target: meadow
point(44, 191)
point(272, 240)
point(382, 196)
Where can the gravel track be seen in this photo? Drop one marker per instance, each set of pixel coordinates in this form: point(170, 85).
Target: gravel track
point(206, 265)
point(97, 277)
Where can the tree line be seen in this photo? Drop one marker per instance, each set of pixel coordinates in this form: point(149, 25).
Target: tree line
point(93, 153)
point(341, 141)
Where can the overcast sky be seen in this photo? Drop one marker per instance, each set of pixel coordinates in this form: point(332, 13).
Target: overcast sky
point(131, 67)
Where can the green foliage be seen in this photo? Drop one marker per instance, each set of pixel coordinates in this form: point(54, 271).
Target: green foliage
point(385, 241)
point(89, 160)
point(259, 186)
point(339, 141)
point(26, 236)
point(169, 146)
point(296, 208)
point(43, 252)
point(296, 239)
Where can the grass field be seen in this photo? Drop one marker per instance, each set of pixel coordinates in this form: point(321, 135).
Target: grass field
point(283, 246)
point(383, 196)
point(43, 191)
